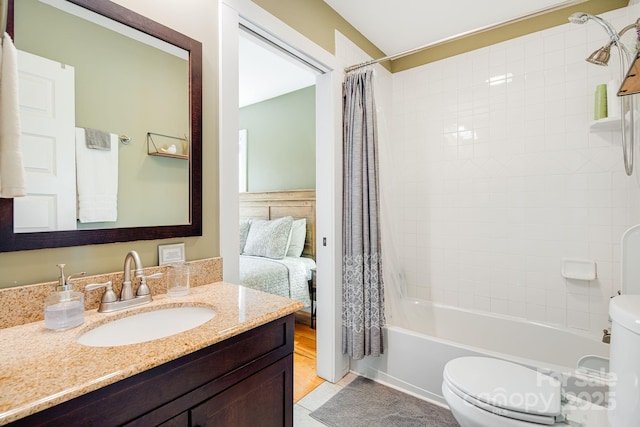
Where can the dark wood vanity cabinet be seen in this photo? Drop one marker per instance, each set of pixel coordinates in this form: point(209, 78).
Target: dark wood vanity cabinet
point(246, 380)
point(256, 401)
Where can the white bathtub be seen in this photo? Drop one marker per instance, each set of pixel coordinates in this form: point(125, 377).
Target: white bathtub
point(414, 358)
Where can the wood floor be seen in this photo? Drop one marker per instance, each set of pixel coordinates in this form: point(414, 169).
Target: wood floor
point(304, 360)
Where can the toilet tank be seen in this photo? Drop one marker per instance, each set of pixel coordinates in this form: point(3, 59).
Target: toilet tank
point(624, 389)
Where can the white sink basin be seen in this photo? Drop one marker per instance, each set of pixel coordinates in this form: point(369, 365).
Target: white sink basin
point(146, 326)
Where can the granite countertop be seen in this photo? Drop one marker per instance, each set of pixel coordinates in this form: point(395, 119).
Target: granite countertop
point(40, 368)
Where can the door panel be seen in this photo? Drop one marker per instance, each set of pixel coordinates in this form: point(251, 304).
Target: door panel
point(265, 399)
point(47, 116)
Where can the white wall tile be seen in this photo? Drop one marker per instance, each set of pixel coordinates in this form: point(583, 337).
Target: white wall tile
point(598, 322)
point(482, 303)
point(536, 313)
point(499, 306)
point(556, 297)
point(516, 308)
point(578, 302)
point(578, 319)
point(556, 316)
point(500, 182)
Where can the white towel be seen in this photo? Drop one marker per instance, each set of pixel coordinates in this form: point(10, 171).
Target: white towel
point(12, 180)
point(97, 179)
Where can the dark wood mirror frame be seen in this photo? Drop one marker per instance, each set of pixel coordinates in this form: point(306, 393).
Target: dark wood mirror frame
point(10, 241)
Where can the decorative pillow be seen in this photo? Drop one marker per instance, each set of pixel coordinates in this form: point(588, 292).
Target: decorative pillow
point(244, 232)
point(298, 236)
point(269, 239)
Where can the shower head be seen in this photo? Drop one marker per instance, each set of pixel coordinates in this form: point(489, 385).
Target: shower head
point(578, 18)
point(582, 18)
point(601, 56)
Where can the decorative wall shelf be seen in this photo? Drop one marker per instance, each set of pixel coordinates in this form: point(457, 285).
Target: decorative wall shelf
point(173, 156)
point(176, 148)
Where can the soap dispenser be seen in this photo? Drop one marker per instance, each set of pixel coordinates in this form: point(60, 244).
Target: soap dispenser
point(64, 309)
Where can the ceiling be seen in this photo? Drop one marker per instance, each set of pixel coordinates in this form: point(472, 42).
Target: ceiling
point(261, 68)
point(400, 25)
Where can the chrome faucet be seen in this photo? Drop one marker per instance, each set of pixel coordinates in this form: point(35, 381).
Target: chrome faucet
point(127, 290)
point(110, 302)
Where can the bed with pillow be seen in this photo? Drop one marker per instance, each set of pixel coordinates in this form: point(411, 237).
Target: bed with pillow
point(277, 242)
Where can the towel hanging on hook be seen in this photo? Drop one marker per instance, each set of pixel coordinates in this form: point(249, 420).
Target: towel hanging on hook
point(4, 11)
point(12, 175)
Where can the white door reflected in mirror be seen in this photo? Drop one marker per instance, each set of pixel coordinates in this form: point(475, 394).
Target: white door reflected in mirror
point(47, 116)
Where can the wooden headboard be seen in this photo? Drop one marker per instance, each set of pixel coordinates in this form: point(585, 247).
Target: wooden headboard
point(276, 204)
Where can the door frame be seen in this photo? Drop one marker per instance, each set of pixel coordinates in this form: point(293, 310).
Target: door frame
point(331, 363)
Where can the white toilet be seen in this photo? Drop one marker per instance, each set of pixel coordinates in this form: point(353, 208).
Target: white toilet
point(487, 392)
point(624, 363)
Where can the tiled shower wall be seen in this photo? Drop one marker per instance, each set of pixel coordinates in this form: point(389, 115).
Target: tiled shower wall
point(494, 184)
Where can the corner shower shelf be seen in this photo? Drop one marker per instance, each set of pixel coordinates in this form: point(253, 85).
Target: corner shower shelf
point(606, 124)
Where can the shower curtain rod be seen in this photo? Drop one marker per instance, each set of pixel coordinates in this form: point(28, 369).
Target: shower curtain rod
point(466, 34)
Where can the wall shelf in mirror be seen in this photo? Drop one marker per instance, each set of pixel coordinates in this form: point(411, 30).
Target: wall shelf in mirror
point(167, 146)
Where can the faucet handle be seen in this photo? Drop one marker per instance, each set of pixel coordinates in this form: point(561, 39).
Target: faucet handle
point(143, 289)
point(109, 295)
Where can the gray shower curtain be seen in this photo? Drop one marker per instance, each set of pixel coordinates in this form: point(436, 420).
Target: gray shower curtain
point(362, 285)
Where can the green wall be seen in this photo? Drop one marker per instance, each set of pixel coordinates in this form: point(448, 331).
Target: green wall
point(319, 22)
point(281, 142)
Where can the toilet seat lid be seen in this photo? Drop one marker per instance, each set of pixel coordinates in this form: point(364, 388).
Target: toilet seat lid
point(505, 385)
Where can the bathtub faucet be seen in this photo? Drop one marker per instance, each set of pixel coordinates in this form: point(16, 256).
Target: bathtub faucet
point(606, 338)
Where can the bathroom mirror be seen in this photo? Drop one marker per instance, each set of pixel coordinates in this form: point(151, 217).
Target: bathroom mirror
point(190, 223)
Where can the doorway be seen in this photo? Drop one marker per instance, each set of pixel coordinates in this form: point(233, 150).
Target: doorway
point(277, 159)
point(331, 364)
